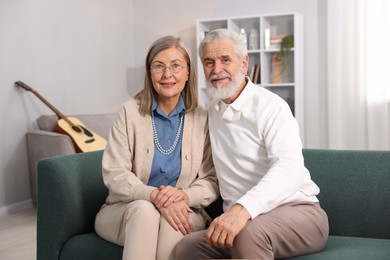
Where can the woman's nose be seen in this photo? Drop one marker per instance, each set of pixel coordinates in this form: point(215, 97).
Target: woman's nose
point(167, 72)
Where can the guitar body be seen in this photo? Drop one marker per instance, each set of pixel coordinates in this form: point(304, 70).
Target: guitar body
point(84, 139)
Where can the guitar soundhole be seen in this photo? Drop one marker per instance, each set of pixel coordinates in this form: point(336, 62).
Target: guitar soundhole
point(87, 132)
point(76, 128)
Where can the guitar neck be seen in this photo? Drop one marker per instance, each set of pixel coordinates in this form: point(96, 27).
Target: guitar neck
point(55, 110)
point(47, 103)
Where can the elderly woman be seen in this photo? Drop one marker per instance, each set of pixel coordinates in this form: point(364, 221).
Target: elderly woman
point(157, 164)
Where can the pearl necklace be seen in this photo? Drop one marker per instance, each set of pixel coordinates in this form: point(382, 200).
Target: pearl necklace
point(157, 143)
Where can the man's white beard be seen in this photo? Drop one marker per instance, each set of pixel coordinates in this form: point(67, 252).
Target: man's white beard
point(219, 92)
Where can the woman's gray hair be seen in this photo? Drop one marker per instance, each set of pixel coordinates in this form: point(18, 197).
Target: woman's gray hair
point(190, 91)
point(223, 34)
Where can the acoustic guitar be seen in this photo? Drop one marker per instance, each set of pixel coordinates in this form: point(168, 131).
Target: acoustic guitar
point(84, 139)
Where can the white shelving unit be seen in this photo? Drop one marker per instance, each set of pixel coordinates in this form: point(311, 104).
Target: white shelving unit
point(291, 87)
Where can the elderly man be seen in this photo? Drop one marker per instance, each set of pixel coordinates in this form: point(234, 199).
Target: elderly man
point(269, 200)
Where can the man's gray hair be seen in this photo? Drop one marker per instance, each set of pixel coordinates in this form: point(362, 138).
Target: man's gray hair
point(223, 34)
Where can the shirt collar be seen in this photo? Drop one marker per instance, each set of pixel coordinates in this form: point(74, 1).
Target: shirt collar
point(180, 107)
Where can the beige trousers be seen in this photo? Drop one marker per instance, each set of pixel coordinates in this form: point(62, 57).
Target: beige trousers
point(291, 229)
point(141, 230)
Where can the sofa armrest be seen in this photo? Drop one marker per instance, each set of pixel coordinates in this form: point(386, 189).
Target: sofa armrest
point(70, 193)
point(43, 144)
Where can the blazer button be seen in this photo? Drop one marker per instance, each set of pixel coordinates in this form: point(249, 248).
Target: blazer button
point(188, 157)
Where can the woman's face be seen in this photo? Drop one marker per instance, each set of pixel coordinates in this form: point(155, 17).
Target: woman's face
point(169, 74)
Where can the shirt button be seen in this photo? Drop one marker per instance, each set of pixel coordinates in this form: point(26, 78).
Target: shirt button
point(188, 157)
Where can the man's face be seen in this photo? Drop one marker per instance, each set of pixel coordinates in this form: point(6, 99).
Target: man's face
point(223, 70)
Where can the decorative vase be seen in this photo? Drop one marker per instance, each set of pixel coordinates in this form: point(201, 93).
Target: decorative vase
point(243, 36)
point(276, 69)
point(253, 40)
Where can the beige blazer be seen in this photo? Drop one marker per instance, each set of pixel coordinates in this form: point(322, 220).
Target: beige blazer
point(127, 159)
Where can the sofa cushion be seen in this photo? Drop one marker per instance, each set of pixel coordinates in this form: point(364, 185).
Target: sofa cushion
point(351, 248)
point(100, 124)
point(90, 246)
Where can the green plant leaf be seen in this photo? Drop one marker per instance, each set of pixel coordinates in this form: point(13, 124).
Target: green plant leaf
point(285, 51)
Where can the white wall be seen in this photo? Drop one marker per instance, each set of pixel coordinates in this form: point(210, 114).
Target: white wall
point(75, 53)
point(87, 56)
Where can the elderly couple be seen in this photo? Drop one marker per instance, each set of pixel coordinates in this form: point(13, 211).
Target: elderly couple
point(167, 159)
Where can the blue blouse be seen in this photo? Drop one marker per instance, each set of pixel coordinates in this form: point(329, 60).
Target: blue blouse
point(166, 168)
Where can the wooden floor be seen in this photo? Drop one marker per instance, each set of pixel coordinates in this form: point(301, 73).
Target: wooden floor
point(18, 236)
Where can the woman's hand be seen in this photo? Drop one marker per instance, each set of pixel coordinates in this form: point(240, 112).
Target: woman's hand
point(173, 205)
point(167, 195)
point(178, 216)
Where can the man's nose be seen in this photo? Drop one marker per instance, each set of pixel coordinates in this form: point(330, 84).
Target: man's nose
point(218, 67)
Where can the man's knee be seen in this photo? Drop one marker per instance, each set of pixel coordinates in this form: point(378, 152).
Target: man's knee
point(184, 246)
point(191, 246)
point(248, 244)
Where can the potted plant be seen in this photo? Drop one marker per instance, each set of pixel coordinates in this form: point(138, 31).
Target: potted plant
point(285, 51)
point(281, 59)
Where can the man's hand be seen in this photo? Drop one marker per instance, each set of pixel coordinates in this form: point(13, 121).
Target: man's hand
point(225, 228)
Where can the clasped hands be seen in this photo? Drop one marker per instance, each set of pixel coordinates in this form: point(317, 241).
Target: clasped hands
point(173, 205)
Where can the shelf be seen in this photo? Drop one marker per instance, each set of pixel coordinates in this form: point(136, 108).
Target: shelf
point(280, 85)
point(273, 50)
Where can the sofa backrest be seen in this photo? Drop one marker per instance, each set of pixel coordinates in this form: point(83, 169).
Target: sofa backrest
point(100, 123)
point(355, 190)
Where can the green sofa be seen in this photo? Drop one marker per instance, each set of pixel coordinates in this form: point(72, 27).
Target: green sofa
point(355, 192)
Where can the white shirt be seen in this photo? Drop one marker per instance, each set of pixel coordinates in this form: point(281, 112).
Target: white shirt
point(257, 152)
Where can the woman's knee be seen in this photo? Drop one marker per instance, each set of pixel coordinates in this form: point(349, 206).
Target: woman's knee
point(142, 210)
